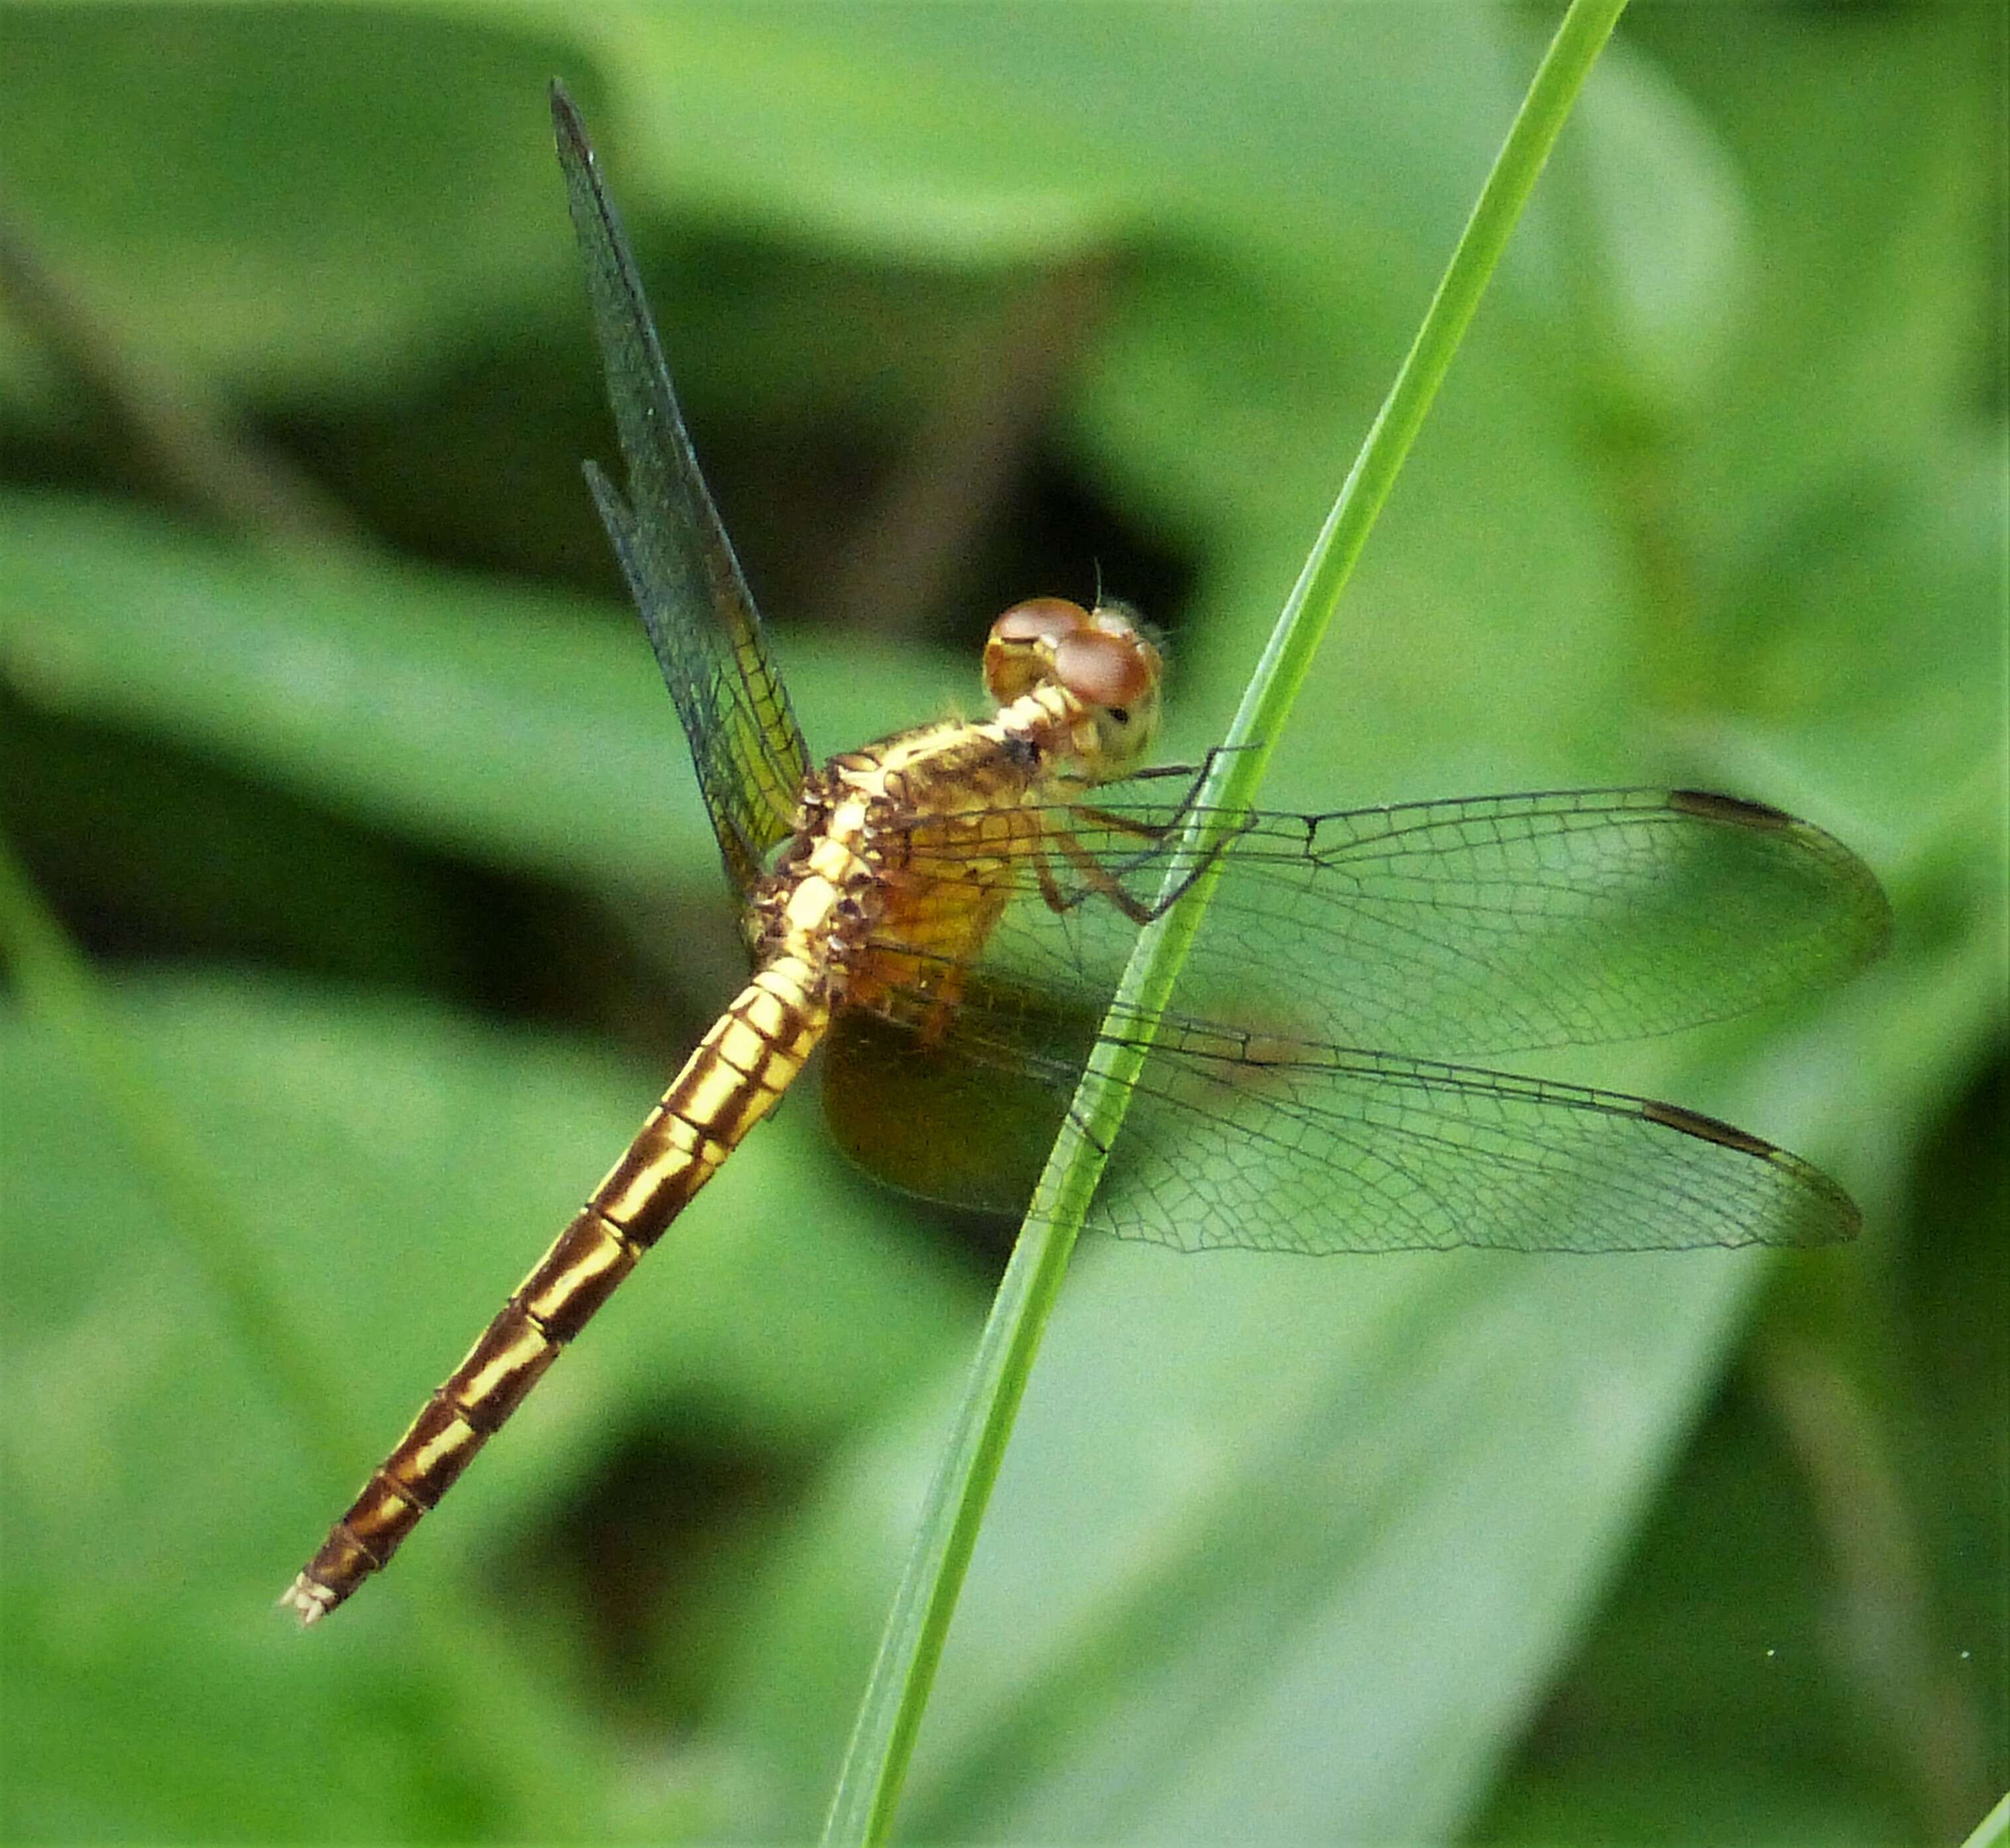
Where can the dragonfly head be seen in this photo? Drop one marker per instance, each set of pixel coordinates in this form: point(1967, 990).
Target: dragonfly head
point(1102, 657)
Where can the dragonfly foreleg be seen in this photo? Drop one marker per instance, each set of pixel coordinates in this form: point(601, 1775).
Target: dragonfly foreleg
point(1103, 882)
point(1158, 834)
point(1157, 831)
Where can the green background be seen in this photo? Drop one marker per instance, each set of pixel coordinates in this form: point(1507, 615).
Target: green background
point(327, 735)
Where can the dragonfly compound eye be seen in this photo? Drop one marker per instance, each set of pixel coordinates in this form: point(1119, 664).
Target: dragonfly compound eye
point(1020, 653)
point(1040, 619)
point(1102, 668)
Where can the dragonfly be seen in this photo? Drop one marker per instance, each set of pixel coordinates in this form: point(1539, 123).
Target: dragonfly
point(944, 914)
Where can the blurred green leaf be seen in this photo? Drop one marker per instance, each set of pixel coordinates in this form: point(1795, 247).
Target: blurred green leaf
point(273, 195)
point(1862, 337)
point(1321, 1496)
point(511, 725)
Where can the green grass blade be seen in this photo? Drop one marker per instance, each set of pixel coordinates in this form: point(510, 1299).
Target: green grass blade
point(1994, 1830)
point(876, 1763)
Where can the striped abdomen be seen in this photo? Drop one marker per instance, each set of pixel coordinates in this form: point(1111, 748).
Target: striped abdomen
point(730, 1083)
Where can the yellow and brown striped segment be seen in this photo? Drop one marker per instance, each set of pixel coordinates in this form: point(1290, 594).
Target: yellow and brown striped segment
point(851, 900)
point(730, 1083)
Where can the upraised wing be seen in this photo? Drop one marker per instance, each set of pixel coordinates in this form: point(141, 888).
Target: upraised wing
point(746, 747)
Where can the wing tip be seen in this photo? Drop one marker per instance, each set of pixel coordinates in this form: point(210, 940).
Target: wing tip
point(1711, 805)
point(566, 119)
point(1837, 1220)
point(1708, 1129)
point(1872, 926)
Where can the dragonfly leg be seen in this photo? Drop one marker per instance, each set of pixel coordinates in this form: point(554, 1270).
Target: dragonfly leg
point(1097, 879)
point(1147, 831)
point(1157, 831)
point(1106, 881)
point(1100, 882)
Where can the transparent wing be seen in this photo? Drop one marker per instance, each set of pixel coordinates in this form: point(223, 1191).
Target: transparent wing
point(1479, 926)
point(749, 754)
point(1237, 1140)
point(1317, 1150)
point(1297, 1100)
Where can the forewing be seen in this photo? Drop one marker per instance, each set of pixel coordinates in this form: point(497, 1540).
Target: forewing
point(1470, 927)
point(748, 752)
